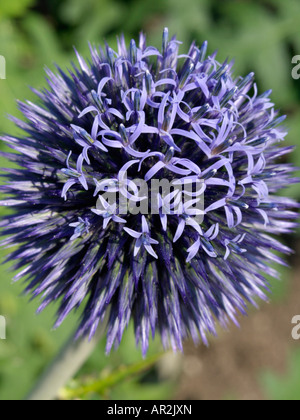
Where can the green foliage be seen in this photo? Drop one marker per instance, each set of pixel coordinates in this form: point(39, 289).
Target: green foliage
point(14, 8)
point(284, 387)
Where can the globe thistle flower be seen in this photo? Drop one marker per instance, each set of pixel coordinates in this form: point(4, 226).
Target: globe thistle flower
point(141, 113)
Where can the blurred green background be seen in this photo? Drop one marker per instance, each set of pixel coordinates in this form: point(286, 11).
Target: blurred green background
point(261, 36)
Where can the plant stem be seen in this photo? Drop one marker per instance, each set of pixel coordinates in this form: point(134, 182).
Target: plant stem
point(63, 368)
point(99, 386)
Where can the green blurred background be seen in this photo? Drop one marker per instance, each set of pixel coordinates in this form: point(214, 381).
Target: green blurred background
point(259, 362)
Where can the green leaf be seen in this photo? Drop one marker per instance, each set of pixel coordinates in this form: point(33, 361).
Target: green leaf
point(42, 38)
point(14, 8)
point(284, 387)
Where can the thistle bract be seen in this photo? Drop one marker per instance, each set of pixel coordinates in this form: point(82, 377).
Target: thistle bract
point(176, 267)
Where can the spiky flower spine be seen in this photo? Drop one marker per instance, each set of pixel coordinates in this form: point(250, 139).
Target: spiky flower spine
point(141, 113)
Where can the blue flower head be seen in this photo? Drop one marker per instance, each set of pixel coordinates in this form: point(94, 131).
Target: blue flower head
point(176, 267)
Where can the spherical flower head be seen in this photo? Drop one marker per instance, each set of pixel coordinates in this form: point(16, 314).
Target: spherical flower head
point(145, 189)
